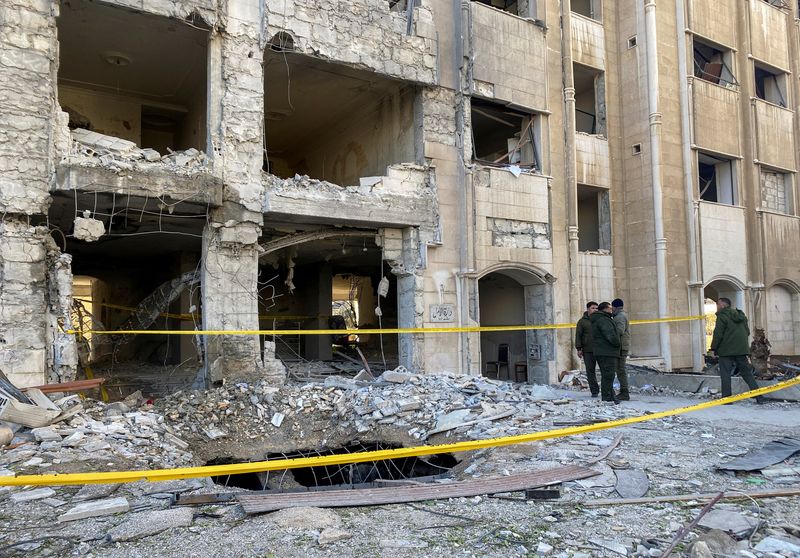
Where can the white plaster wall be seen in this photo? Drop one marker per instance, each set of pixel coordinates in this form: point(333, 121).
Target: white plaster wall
point(782, 320)
point(723, 241)
point(588, 41)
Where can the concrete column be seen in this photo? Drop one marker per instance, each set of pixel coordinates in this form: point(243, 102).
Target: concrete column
point(186, 348)
point(23, 306)
point(320, 304)
point(229, 279)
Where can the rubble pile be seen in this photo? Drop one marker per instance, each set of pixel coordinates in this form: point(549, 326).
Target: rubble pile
point(121, 433)
point(98, 150)
point(415, 406)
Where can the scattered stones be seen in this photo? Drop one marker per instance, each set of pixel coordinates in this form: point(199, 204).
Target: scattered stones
point(544, 549)
point(277, 419)
point(46, 434)
point(6, 435)
point(145, 524)
point(719, 542)
point(780, 545)
point(305, 518)
point(95, 492)
point(732, 522)
point(30, 495)
point(395, 377)
point(96, 508)
point(332, 535)
point(700, 550)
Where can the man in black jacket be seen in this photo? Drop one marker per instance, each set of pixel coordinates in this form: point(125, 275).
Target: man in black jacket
point(584, 344)
point(606, 349)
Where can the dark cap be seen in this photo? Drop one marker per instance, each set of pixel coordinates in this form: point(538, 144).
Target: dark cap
point(617, 303)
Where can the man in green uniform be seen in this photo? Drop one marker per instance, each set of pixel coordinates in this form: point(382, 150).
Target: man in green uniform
point(730, 344)
point(624, 329)
point(606, 349)
point(585, 346)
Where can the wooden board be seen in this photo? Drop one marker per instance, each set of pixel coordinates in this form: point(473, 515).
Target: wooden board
point(265, 502)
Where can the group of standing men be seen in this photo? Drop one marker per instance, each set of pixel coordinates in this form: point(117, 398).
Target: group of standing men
point(603, 338)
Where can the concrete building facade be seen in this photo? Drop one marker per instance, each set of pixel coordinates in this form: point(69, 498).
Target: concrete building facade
point(305, 164)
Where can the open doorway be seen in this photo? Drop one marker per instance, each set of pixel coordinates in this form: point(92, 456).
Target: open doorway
point(713, 292)
point(510, 298)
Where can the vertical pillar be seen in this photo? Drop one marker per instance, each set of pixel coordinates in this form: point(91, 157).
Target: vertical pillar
point(318, 347)
point(187, 304)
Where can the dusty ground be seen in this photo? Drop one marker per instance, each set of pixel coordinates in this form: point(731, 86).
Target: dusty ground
point(678, 454)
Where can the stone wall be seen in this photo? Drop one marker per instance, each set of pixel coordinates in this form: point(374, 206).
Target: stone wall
point(375, 37)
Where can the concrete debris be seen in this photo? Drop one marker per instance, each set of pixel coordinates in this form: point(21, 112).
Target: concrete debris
point(88, 229)
point(6, 435)
point(46, 434)
point(95, 492)
point(95, 508)
point(739, 525)
point(784, 546)
point(332, 535)
point(30, 495)
point(98, 150)
point(145, 524)
point(700, 550)
point(719, 542)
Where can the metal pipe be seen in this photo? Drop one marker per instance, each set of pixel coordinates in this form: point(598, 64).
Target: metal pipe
point(570, 174)
point(655, 163)
point(694, 284)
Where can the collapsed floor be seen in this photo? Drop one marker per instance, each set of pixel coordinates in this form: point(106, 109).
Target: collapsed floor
point(677, 455)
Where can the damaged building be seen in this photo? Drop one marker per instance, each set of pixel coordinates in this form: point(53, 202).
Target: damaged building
point(294, 165)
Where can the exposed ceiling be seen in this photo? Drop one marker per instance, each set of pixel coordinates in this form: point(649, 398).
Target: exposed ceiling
point(305, 97)
point(118, 50)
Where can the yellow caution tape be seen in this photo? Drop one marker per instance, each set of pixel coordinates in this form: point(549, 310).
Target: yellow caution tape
point(343, 332)
point(361, 457)
point(192, 317)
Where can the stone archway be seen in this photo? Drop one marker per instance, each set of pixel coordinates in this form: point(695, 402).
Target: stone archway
point(513, 296)
point(783, 318)
point(726, 287)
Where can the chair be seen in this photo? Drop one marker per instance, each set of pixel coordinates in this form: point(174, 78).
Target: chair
point(500, 363)
point(521, 372)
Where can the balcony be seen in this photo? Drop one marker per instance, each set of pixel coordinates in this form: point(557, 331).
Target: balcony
point(512, 217)
point(510, 57)
point(774, 130)
point(781, 249)
point(592, 160)
point(588, 42)
point(714, 19)
point(769, 39)
point(378, 37)
point(712, 105)
point(723, 240)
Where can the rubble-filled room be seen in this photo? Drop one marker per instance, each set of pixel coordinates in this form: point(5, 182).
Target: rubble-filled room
point(133, 76)
point(135, 265)
point(338, 280)
point(331, 122)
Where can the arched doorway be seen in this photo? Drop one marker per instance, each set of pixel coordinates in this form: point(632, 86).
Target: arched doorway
point(716, 289)
point(515, 297)
point(783, 319)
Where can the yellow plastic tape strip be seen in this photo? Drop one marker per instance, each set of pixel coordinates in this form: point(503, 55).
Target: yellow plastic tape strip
point(361, 457)
point(342, 332)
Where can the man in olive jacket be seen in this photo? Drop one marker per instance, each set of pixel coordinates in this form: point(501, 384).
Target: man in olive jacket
point(606, 349)
point(730, 343)
point(584, 344)
point(624, 329)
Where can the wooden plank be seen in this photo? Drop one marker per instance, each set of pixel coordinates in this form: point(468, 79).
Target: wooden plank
point(259, 503)
point(700, 497)
point(78, 385)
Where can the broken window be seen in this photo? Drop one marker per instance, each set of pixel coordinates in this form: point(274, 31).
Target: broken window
point(588, 8)
point(713, 64)
point(511, 6)
point(594, 219)
point(134, 76)
point(771, 85)
point(332, 122)
point(717, 179)
point(590, 100)
point(504, 136)
point(776, 191)
point(782, 4)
